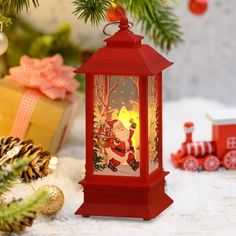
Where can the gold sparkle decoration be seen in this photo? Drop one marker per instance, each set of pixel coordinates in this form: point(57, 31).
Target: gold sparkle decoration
point(55, 200)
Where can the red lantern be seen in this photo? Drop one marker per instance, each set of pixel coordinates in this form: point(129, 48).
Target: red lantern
point(124, 172)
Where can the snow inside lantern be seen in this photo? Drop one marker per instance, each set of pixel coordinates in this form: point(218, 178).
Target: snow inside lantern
point(124, 173)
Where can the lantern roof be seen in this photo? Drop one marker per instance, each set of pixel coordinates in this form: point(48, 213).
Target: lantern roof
point(124, 54)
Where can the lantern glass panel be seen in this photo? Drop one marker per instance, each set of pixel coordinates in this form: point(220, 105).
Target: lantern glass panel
point(116, 126)
point(153, 123)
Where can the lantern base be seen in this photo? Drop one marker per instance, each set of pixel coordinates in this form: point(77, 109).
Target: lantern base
point(146, 201)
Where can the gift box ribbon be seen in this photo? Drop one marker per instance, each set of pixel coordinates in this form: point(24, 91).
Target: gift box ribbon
point(47, 77)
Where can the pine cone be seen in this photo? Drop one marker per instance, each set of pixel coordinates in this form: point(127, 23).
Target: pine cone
point(20, 226)
point(39, 166)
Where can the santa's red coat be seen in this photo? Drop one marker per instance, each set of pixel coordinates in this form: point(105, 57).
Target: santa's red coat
point(120, 151)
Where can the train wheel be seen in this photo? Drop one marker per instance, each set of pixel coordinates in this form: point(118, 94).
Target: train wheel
point(230, 160)
point(190, 163)
point(211, 163)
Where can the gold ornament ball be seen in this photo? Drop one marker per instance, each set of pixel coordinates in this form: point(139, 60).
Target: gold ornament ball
point(3, 43)
point(55, 200)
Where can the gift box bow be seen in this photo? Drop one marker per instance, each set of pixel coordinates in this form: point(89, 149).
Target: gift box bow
point(49, 76)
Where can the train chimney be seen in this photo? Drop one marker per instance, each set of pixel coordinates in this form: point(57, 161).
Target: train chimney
point(188, 128)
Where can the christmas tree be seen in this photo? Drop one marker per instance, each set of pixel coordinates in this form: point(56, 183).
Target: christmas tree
point(98, 163)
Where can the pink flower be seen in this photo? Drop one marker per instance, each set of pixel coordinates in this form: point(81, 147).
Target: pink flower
point(49, 76)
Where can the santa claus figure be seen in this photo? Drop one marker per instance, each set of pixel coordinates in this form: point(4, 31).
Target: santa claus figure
point(119, 146)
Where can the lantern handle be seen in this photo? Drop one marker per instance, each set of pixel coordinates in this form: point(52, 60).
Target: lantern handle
point(130, 24)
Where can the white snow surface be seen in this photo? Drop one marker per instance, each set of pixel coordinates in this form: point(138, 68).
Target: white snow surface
point(204, 203)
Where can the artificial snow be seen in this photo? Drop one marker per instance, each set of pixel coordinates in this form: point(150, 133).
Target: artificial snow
point(204, 202)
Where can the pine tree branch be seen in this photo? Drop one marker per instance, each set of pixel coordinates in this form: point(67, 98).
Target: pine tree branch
point(93, 10)
point(157, 20)
point(5, 20)
point(9, 173)
point(156, 17)
point(18, 214)
point(9, 7)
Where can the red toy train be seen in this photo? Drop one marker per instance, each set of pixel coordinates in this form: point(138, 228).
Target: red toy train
point(209, 155)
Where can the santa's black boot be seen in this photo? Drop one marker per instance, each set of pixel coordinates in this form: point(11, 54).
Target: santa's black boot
point(134, 164)
point(112, 167)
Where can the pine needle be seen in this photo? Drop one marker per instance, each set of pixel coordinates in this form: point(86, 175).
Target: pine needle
point(18, 214)
point(10, 7)
point(158, 21)
point(10, 173)
point(17, 6)
point(6, 20)
point(93, 10)
point(13, 215)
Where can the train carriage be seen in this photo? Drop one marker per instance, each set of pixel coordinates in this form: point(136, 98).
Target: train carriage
point(210, 155)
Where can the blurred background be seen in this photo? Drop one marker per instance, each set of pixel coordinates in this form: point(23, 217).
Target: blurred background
point(204, 64)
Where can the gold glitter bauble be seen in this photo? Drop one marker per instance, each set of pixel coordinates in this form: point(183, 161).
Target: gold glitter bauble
point(3, 43)
point(55, 200)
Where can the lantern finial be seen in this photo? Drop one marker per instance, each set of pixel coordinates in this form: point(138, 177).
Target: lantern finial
point(124, 23)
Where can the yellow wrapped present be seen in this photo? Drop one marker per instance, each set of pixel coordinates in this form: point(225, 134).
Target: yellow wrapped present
point(38, 101)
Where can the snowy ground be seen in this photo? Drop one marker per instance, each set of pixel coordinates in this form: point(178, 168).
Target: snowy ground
point(204, 203)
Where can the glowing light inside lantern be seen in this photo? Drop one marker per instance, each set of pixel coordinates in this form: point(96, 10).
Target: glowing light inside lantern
point(125, 116)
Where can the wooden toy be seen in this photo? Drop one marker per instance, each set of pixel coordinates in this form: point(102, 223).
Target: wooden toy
point(210, 155)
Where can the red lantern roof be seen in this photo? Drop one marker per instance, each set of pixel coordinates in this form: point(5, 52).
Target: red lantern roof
point(124, 54)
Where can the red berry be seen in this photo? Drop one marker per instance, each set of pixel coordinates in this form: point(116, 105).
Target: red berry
point(198, 7)
point(115, 13)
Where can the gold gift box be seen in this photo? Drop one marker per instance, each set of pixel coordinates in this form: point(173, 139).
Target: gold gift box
point(50, 119)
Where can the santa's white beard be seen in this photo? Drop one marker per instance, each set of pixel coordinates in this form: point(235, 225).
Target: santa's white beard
point(122, 135)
